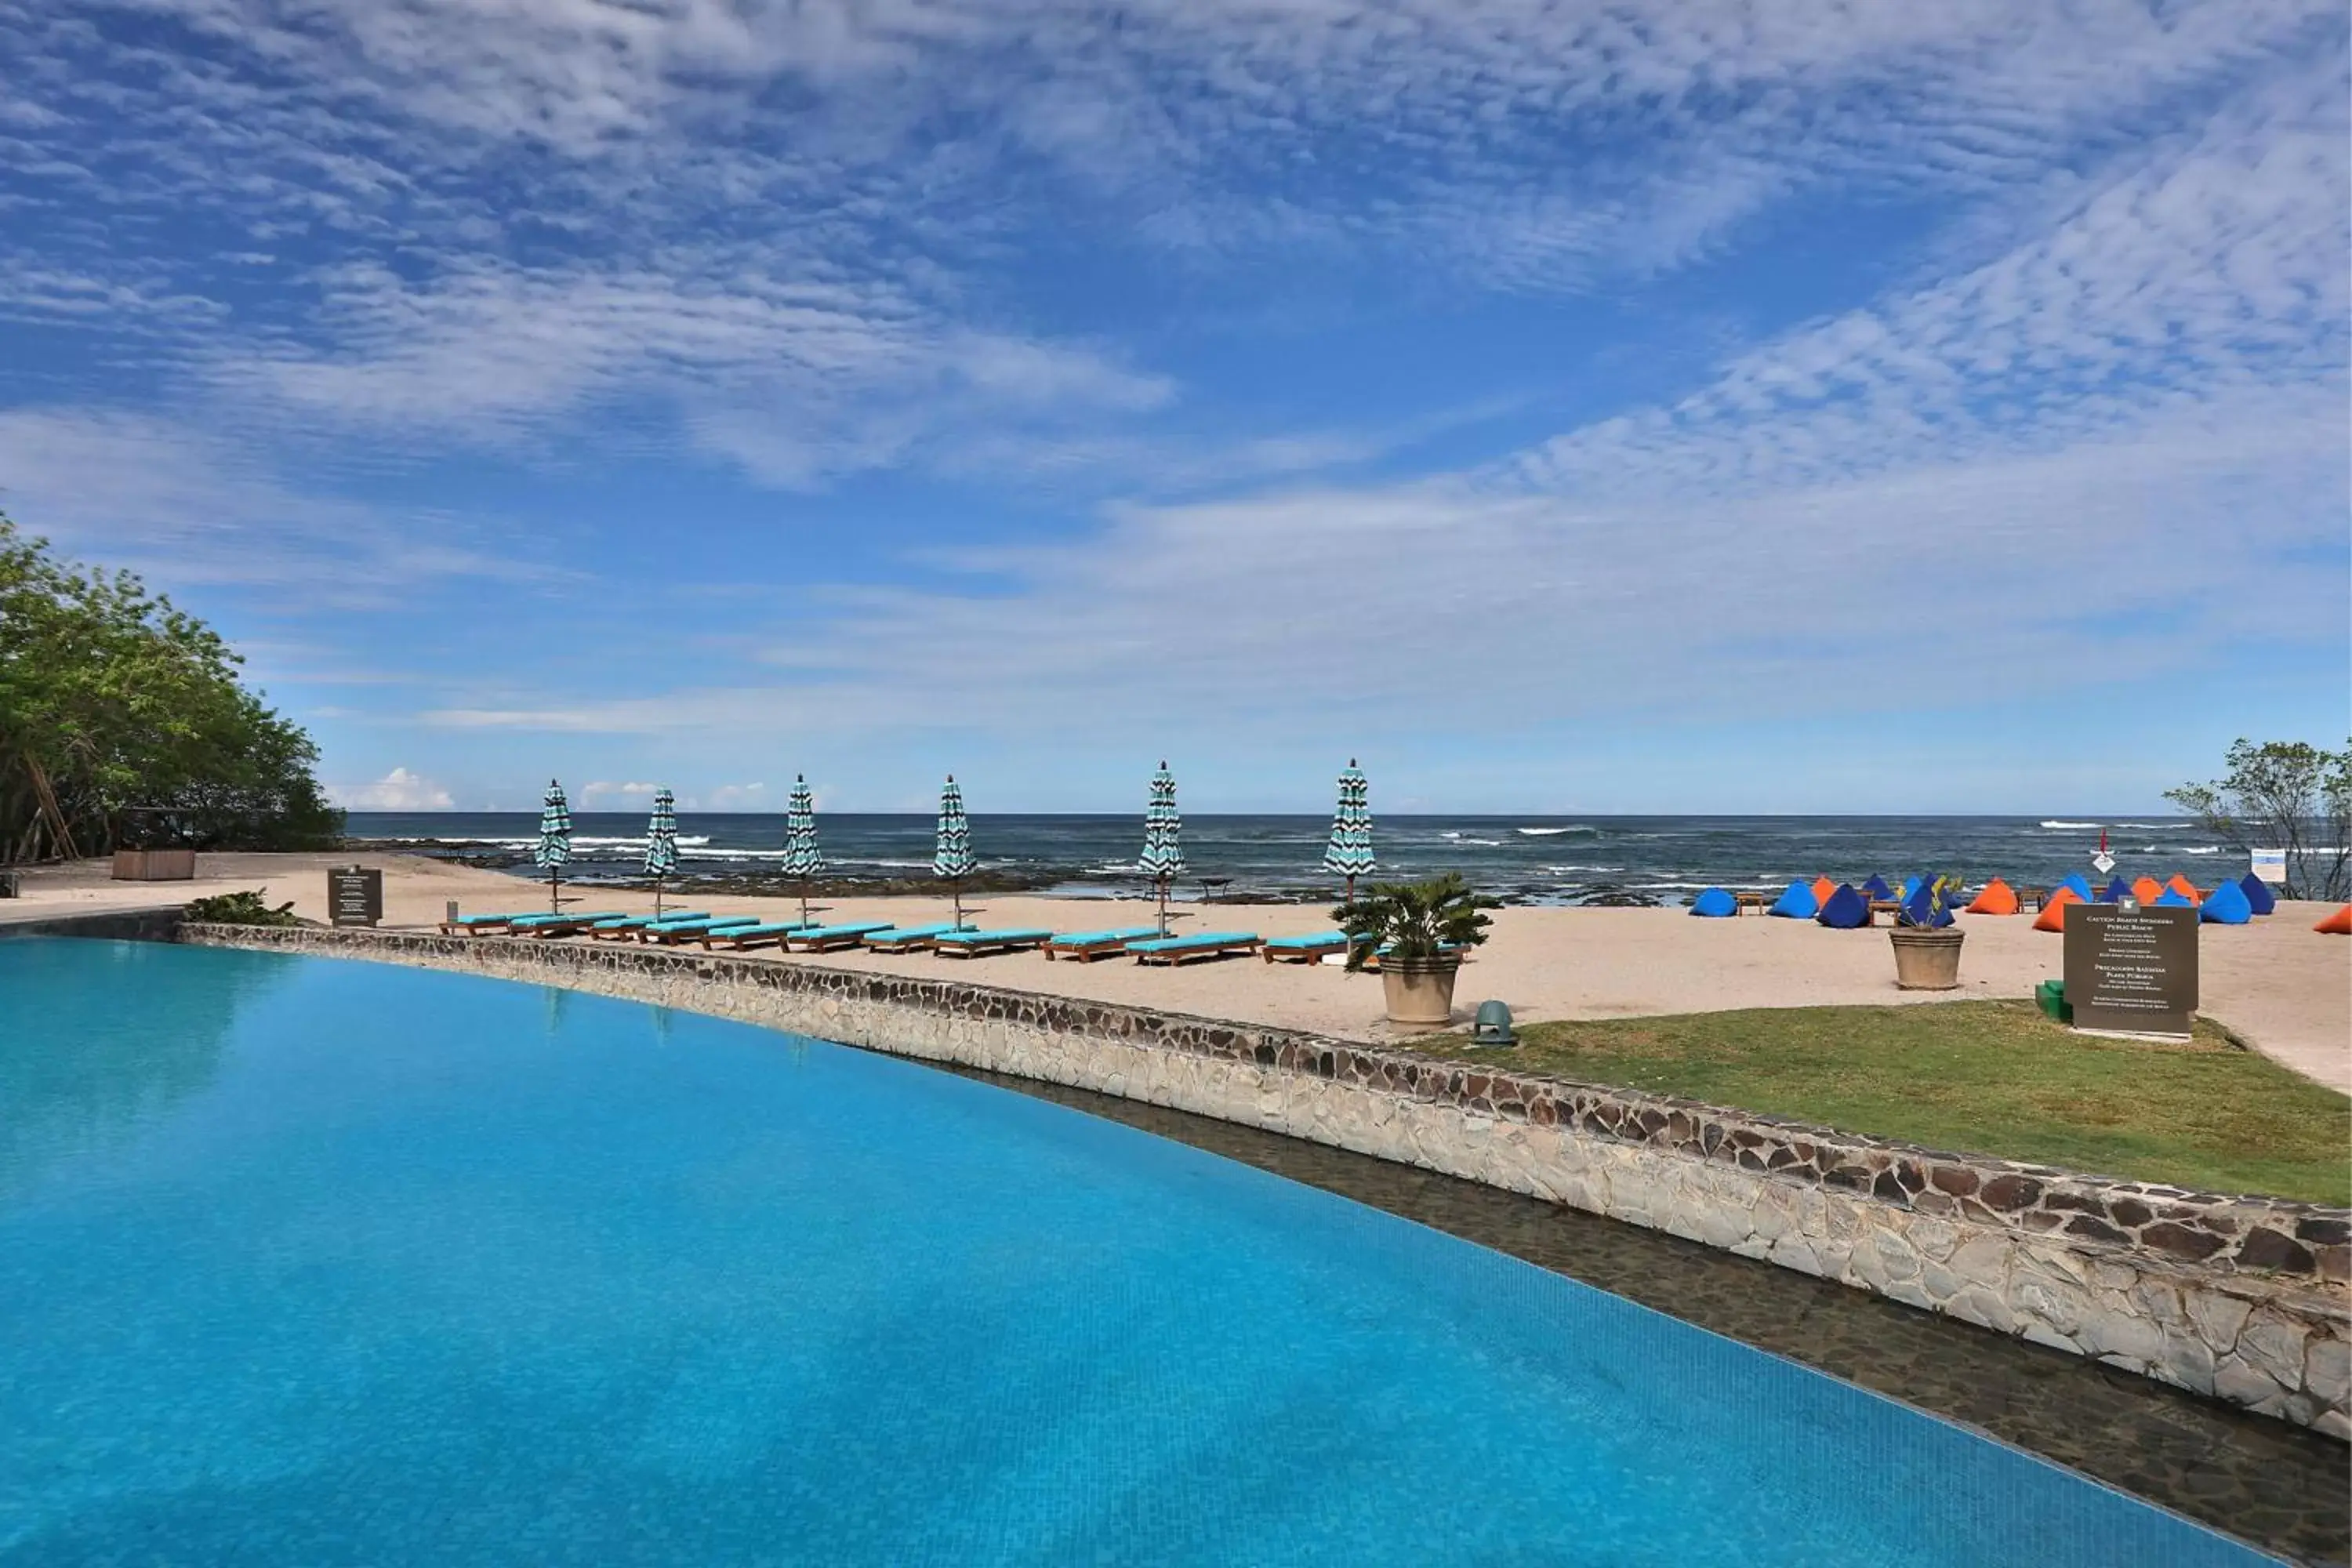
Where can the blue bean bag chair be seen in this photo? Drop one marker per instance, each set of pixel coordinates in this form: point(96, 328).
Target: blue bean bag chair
point(1797, 903)
point(2260, 899)
point(2081, 888)
point(1714, 904)
point(1876, 888)
point(2226, 905)
point(1910, 888)
point(2171, 900)
point(2115, 893)
point(1919, 909)
point(1845, 909)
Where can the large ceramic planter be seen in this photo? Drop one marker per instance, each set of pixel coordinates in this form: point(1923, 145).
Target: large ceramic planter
point(1420, 990)
point(1926, 960)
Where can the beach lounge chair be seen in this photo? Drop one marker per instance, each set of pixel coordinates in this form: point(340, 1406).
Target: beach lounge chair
point(2052, 916)
point(2259, 898)
point(626, 928)
point(1085, 946)
point(671, 933)
point(1796, 904)
point(1714, 904)
point(1302, 948)
point(978, 944)
point(561, 925)
point(478, 925)
point(2225, 906)
point(767, 933)
point(1845, 909)
point(826, 939)
point(1997, 899)
point(1175, 950)
point(909, 939)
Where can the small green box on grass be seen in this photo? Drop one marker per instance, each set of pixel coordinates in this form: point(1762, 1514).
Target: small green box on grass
point(2051, 996)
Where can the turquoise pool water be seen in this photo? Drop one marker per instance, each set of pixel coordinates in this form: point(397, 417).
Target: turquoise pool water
point(305, 1261)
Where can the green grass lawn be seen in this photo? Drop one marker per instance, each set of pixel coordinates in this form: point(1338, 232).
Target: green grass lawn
point(1987, 1078)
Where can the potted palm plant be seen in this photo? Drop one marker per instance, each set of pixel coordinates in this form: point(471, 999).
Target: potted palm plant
point(1418, 932)
point(1926, 941)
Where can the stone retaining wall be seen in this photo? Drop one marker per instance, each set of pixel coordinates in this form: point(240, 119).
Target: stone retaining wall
point(114, 925)
point(2241, 1299)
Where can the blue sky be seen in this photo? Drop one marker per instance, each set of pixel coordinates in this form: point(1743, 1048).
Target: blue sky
point(1647, 406)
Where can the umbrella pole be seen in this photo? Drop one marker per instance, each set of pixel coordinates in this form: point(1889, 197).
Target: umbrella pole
point(657, 882)
point(955, 891)
point(554, 891)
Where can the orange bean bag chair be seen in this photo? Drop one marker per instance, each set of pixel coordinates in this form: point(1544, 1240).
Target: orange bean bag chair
point(1823, 889)
point(2337, 924)
point(2186, 888)
point(1998, 899)
point(2148, 889)
point(2053, 913)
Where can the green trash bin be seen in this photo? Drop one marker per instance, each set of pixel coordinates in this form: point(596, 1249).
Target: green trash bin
point(2051, 996)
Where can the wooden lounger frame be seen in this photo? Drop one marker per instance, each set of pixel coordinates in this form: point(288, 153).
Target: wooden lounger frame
point(476, 928)
point(742, 942)
point(1087, 951)
point(796, 943)
point(1185, 955)
point(674, 938)
point(983, 948)
point(1298, 953)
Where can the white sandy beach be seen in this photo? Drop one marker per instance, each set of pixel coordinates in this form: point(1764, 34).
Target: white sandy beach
point(2280, 986)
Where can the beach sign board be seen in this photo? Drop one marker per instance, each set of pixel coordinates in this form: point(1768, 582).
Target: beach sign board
point(354, 896)
point(2270, 865)
point(2131, 971)
point(2103, 862)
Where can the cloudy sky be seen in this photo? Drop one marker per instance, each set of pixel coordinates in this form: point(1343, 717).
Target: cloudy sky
point(1672, 405)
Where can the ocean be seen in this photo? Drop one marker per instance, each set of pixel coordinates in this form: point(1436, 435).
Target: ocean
point(1523, 860)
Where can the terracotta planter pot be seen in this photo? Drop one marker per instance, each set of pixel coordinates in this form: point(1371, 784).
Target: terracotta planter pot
point(1926, 960)
point(1420, 990)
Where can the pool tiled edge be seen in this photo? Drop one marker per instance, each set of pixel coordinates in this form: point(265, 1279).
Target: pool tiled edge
point(2242, 1299)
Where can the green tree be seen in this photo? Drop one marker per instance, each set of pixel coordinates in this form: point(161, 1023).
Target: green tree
point(122, 722)
point(2284, 794)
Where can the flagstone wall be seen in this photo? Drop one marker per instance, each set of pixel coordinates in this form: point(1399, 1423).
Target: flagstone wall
point(2243, 1299)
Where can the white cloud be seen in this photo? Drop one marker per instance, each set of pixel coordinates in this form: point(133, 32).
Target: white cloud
point(399, 790)
point(153, 494)
point(604, 790)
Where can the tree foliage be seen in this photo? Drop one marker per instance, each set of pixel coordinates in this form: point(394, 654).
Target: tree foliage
point(1415, 920)
point(2284, 794)
point(122, 722)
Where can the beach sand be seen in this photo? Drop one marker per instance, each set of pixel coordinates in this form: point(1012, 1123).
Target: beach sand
point(2281, 986)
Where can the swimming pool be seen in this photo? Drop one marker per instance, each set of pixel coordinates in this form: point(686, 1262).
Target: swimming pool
point(319, 1261)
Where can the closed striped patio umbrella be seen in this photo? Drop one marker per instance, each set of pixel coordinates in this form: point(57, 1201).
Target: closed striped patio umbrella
point(554, 851)
point(1163, 838)
point(1350, 853)
point(661, 843)
point(801, 857)
point(953, 858)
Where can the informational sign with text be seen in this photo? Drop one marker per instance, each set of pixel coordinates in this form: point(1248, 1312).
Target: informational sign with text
point(2132, 971)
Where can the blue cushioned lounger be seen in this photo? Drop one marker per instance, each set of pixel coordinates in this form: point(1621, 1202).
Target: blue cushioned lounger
point(906, 939)
point(1303, 949)
point(627, 928)
point(761, 935)
point(1088, 945)
point(973, 943)
point(561, 925)
point(1174, 950)
point(475, 925)
point(824, 938)
point(669, 932)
